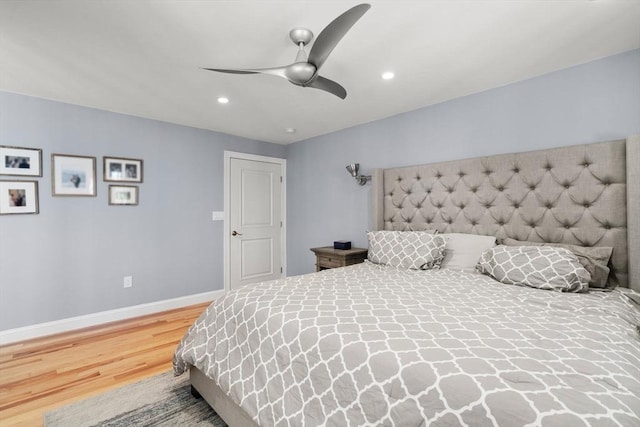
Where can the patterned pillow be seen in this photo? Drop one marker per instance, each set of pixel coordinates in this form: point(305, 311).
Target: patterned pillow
point(406, 249)
point(543, 267)
point(595, 259)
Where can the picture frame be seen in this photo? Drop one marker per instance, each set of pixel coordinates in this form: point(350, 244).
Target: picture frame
point(20, 161)
point(121, 169)
point(19, 197)
point(73, 175)
point(123, 195)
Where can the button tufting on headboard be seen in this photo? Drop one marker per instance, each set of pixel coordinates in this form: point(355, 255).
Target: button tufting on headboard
point(574, 195)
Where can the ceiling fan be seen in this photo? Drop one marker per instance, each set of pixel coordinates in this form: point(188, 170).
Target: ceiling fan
point(304, 71)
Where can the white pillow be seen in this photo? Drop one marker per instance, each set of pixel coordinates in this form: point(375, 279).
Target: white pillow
point(542, 267)
point(406, 249)
point(463, 250)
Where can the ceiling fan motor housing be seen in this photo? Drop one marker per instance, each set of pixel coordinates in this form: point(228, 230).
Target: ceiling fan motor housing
point(300, 73)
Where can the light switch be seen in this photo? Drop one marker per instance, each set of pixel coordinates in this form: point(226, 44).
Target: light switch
point(217, 216)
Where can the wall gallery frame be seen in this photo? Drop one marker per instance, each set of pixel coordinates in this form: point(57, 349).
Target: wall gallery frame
point(123, 195)
point(119, 169)
point(18, 197)
point(20, 161)
point(73, 175)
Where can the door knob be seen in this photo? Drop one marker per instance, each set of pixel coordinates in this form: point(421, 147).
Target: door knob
point(235, 233)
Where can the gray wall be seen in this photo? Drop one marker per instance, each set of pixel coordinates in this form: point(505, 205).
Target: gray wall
point(70, 259)
point(588, 103)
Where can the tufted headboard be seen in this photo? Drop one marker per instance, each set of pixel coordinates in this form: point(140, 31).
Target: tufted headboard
point(583, 195)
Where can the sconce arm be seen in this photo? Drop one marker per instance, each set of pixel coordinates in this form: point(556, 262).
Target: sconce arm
point(362, 179)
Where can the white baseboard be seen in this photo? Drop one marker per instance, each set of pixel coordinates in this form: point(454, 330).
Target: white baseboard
point(64, 325)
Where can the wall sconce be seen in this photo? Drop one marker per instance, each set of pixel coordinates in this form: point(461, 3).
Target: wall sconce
point(353, 170)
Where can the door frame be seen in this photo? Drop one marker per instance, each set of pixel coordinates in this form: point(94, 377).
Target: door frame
point(228, 155)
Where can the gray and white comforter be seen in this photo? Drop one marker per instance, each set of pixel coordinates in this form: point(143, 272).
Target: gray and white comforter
point(373, 345)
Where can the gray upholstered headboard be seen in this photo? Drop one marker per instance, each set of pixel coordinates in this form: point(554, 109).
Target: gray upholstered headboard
point(585, 194)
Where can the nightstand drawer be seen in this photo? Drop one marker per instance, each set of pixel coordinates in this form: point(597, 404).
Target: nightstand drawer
point(329, 262)
point(328, 257)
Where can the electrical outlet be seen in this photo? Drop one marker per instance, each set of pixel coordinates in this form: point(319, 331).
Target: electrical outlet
point(128, 281)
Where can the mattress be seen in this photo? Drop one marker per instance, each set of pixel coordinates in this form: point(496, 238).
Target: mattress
point(376, 345)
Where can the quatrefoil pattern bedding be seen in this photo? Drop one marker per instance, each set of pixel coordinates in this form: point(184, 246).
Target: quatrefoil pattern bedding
point(554, 269)
point(370, 345)
point(574, 195)
point(417, 250)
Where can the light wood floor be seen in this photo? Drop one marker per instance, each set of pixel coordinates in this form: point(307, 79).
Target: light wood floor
point(41, 374)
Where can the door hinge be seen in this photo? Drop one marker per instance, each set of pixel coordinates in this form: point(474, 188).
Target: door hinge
point(280, 178)
point(280, 270)
point(280, 224)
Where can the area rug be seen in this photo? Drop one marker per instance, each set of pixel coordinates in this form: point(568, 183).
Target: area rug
point(163, 400)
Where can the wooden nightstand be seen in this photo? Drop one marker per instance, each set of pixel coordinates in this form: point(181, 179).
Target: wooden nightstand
point(327, 257)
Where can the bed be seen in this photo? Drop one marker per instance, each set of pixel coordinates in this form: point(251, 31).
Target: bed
point(382, 344)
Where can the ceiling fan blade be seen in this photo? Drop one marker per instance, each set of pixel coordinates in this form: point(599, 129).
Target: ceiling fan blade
point(278, 71)
point(220, 70)
point(333, 33)
point(330, 86)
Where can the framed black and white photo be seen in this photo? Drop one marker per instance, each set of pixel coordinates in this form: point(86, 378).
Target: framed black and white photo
point(123, 195)
point(73, 175)
point(18, 197)
point(119, 169)
point(20, 161)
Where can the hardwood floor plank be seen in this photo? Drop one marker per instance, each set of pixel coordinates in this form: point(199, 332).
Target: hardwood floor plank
point(44, 373)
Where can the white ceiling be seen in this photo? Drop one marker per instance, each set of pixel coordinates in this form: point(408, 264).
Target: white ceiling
point(144, 57)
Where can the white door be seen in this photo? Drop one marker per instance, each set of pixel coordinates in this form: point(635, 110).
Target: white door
point(255, 220)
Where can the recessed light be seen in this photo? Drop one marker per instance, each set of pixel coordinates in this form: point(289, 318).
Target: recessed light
point(388, 75)
point(223, 100)
point(290, 130)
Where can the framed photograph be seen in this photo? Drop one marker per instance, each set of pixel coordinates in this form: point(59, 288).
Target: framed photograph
point(20, 161)
point(123, 195)
point(118, 169)
point(18, 197)
point(73, 175)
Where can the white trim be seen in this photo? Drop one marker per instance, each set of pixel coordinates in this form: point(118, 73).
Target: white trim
point(65, 325)
point(228, 155)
